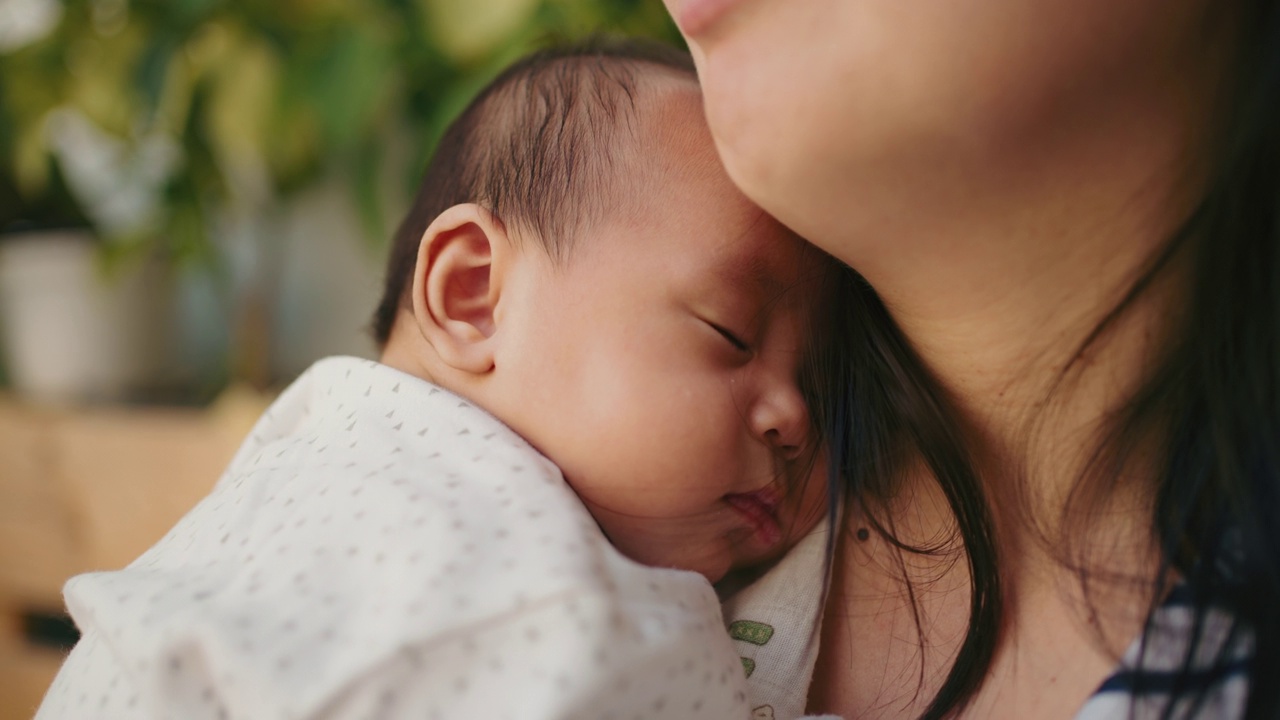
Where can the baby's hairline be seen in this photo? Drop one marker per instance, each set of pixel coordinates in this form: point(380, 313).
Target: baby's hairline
point(536, 142)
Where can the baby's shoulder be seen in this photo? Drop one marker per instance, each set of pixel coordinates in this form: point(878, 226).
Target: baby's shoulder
point(347, 531)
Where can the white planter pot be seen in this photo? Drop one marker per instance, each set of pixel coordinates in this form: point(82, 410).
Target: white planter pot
point(70, 333)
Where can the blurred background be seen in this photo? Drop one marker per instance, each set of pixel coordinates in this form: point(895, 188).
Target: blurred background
point(195, 200)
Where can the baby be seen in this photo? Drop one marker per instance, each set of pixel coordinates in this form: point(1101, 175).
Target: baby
point(590, 386)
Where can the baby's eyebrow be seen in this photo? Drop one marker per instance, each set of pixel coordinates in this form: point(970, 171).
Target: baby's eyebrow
point(752, 271)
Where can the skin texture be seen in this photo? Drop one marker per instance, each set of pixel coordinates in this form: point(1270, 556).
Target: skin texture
point(657, 368)
point(999, 171)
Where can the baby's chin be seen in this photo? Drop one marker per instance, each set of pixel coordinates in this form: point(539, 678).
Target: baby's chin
point(714, 573)
point(714, 564)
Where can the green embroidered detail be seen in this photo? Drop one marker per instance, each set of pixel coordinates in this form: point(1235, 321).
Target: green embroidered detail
point(756, 633)
point(748, 665)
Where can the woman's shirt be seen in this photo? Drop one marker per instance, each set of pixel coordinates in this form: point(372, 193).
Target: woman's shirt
point(1219, 679)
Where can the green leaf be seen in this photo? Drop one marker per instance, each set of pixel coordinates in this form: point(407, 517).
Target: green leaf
point(368, 192)
point(466, 30)
point(31, 160)
point(350, 86)
point(241, 103)
point(192, 11)
point(153, 71)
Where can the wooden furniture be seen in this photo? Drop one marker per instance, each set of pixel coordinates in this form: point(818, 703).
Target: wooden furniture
point(90, 489)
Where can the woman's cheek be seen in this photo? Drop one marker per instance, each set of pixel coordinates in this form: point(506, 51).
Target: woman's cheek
point(778, 128)
point(737, 97)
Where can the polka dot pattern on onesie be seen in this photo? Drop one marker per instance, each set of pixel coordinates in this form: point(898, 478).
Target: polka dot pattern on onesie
point(381, 548)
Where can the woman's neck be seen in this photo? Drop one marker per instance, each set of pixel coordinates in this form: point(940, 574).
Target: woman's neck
point(1004, 327)
point(998, 295)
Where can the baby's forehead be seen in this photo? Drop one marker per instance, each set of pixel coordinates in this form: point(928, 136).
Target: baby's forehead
point(672, 195)
point(665, 135)
point(773, 263)
point(640, 170)
point(672, 182)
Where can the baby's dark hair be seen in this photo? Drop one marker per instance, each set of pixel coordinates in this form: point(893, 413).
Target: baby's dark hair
point(535, 148)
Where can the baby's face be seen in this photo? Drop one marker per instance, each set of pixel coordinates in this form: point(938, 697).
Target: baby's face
point(659, 367)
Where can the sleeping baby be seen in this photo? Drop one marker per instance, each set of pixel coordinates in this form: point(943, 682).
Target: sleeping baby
point(588, 408)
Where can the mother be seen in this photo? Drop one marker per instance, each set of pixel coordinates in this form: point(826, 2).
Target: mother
point(1070, 211)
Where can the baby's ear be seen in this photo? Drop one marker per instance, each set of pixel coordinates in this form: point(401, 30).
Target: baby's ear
point(454, 293)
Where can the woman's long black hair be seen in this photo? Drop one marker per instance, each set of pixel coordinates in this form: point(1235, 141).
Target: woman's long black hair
point(1210, 409)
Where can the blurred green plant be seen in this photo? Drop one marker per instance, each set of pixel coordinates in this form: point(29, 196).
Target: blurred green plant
point(149, 118)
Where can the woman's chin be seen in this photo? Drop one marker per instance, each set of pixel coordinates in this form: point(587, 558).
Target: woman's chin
point(761, 138)
point(766, 173)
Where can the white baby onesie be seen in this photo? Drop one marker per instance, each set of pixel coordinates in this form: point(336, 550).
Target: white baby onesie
point(380, 548)
point(774, 622)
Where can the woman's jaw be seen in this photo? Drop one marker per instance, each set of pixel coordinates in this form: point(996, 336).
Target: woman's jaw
point(848, 120)
point(696, 17)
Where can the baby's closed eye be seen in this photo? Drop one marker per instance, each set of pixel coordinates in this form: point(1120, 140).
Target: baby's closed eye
point(731, 337)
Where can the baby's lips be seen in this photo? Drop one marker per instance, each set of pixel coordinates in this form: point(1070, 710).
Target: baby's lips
point(770, 497)
point(760, 510)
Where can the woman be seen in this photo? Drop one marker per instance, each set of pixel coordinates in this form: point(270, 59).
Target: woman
point(1068, 458)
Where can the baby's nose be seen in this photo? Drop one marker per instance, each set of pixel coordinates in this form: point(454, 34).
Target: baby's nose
point(788, 451)
point(781, 420)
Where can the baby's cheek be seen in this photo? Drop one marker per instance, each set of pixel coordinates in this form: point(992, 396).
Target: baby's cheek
point(687, 543)
point(653, 431)
point(640, 410)
point(651, 468)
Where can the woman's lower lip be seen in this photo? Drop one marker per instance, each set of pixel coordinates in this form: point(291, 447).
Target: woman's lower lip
point(759, 514)
point(696, 16)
